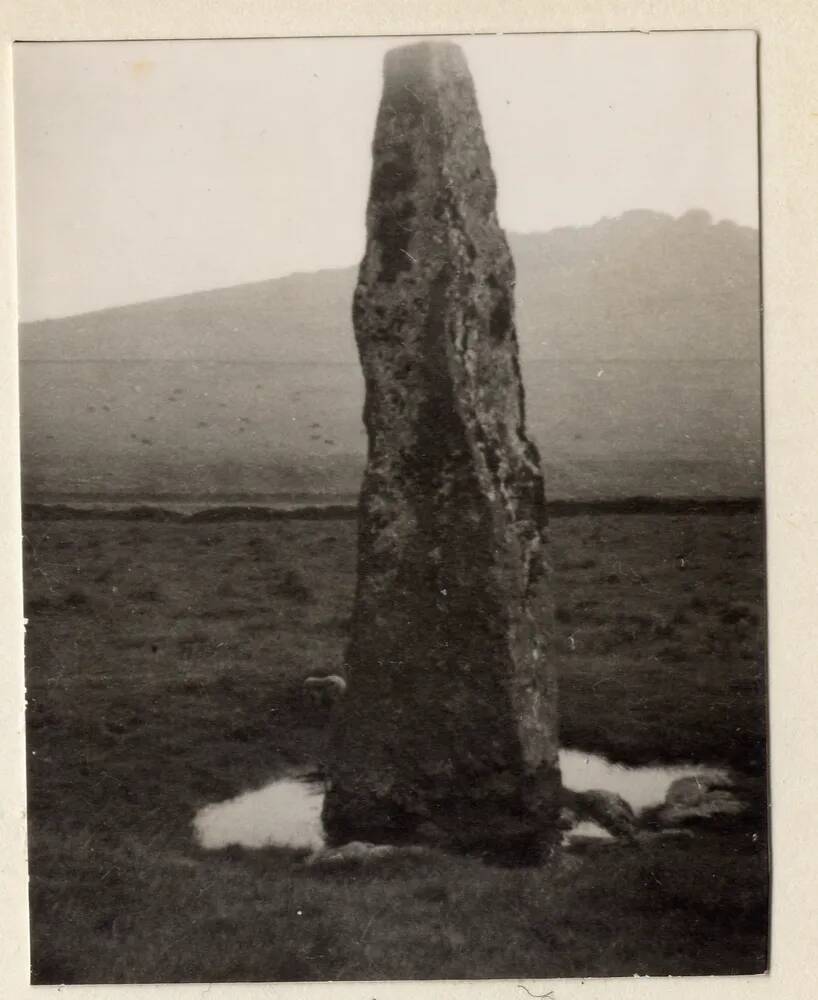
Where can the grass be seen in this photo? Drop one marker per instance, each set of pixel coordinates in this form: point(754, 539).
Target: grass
point(661, 644)
point(164, 670)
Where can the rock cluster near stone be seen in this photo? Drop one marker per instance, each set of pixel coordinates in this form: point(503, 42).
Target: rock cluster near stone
point(699, 798)
point(448, 730)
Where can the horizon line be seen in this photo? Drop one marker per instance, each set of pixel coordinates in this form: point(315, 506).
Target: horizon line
point(713, 222)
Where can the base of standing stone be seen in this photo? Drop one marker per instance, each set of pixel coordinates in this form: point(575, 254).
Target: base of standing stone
point(521, 830)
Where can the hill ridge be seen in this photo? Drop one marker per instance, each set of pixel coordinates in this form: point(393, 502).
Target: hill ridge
point(644, 284)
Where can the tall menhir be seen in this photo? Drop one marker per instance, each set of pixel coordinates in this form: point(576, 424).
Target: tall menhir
point(449, 730)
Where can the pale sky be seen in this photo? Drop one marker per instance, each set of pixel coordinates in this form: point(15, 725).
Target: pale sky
point(148, 169)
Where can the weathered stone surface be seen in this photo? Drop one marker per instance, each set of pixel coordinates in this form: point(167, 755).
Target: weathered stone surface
point(700, 798)
point(449, 721)
point(607, 809)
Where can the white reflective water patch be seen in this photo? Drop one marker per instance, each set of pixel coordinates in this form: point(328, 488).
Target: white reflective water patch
point(285, 813)
point(640, 787)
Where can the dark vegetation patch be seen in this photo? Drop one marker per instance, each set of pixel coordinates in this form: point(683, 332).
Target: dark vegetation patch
point(294, 586)
point(164, 672)
point(255, 512)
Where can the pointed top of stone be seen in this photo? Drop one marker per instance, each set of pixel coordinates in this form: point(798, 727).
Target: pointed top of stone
point(422, 56)
point(427, 73)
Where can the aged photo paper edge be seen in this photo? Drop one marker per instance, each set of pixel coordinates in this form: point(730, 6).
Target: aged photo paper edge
point(788, 36)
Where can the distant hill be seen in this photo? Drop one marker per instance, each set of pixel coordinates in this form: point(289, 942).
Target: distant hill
point(640, 346)
point(642, 286)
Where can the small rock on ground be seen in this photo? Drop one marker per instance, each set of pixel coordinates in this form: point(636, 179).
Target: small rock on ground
point(360, 852)
point(698, 798)
point(606, 809)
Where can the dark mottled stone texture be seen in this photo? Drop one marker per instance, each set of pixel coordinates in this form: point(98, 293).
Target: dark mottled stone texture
point(448, 731)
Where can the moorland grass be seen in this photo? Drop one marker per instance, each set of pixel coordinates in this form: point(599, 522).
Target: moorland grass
point(164, 670)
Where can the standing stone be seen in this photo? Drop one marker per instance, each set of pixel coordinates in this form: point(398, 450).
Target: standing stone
point(448, 732)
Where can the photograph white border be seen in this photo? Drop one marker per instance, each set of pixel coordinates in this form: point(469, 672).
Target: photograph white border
point(788, 78)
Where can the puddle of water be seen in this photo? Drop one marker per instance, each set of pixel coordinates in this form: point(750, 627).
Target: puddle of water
point(640, 787)
point(287, 812)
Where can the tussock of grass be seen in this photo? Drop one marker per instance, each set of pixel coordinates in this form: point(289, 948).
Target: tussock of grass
point(294, 586)
point(76, 598)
